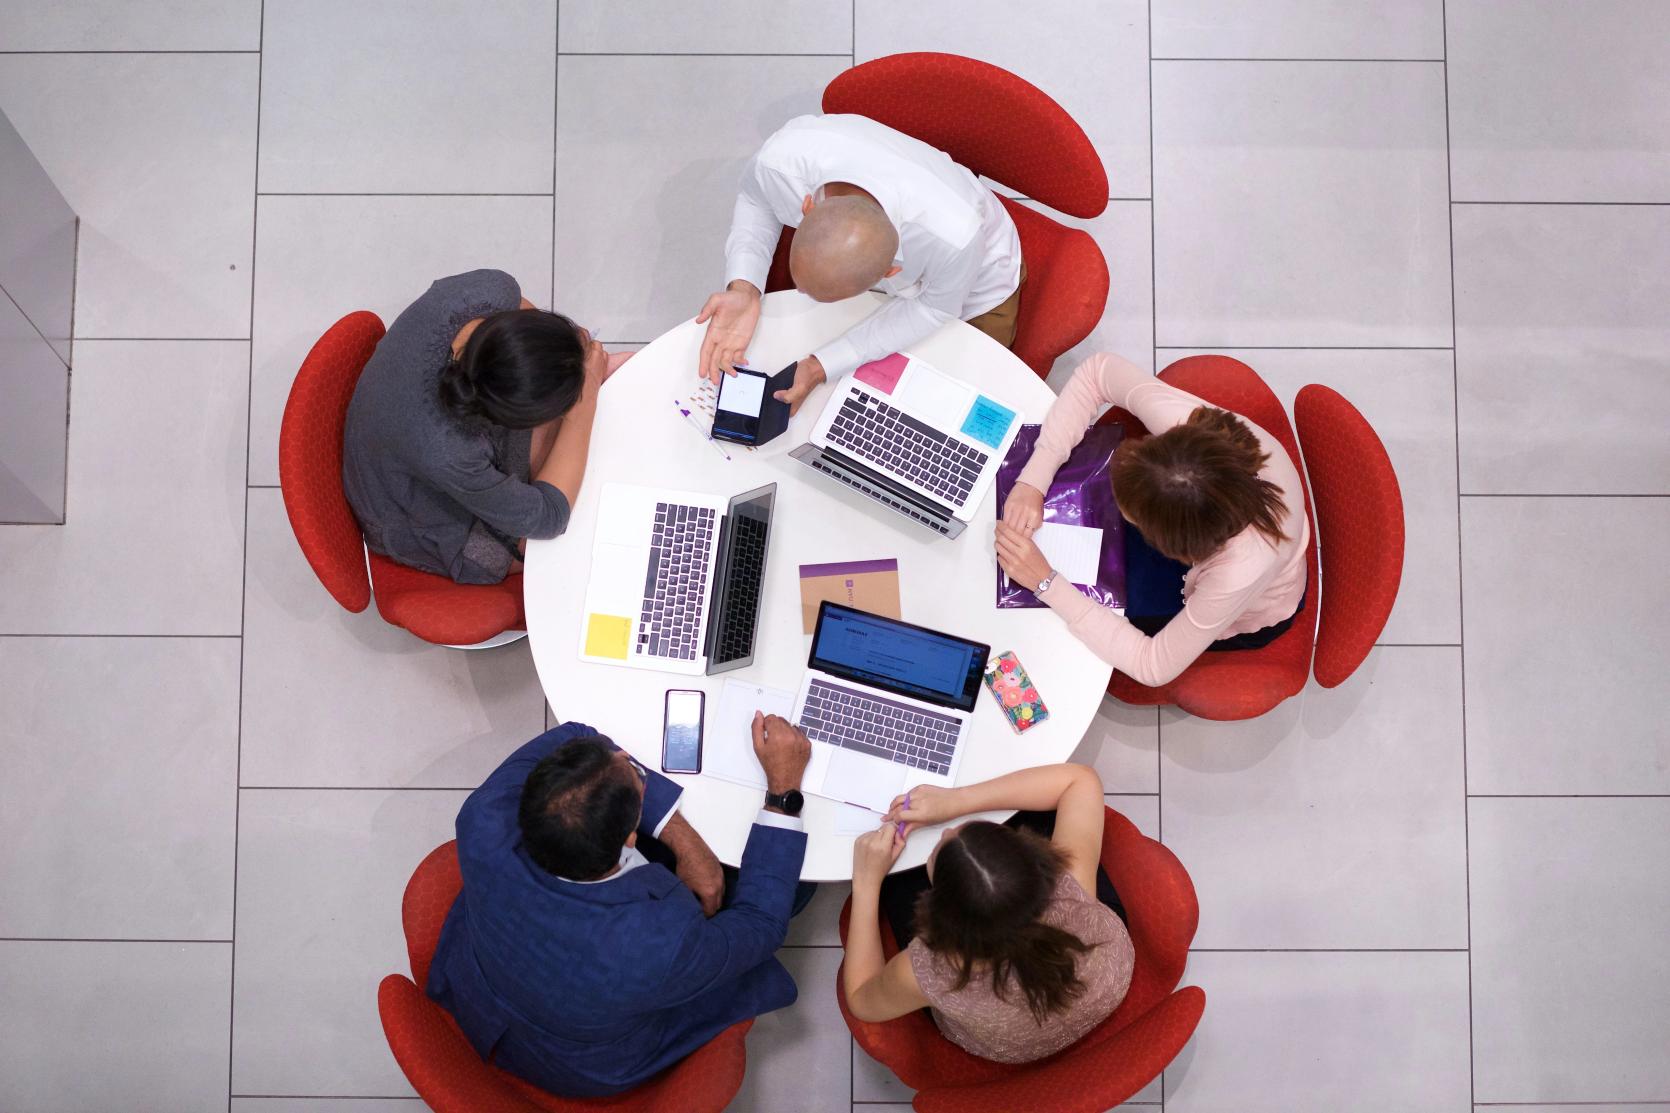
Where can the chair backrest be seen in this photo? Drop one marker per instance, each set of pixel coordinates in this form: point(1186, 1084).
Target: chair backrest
point(984, 117)
point(433, 887)
point(310, 457)
point(1162, 912)
point(1359, 516)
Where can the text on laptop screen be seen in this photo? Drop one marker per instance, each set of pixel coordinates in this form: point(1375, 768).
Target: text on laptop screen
point(898, 657)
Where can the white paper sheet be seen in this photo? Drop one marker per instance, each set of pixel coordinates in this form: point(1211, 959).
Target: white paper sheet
point(1073, 551)
point(850, 819)
point(742, 394)
point(729, 749)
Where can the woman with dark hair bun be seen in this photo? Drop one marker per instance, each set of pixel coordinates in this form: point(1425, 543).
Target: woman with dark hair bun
point(469, 428)
point(1207, 489)
point(1011, 933)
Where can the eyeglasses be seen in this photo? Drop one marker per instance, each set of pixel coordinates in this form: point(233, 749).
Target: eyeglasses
point(637, 767)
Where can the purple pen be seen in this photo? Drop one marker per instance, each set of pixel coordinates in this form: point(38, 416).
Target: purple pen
point(899, 825)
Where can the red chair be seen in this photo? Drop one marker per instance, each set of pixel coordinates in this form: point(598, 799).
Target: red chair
point(310, 474)
point(448, 1074)
point(1359, 516)
point(1116, 1059)
point(1009, 130)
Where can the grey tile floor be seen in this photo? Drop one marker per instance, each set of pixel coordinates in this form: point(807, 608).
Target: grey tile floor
point(1440, 887)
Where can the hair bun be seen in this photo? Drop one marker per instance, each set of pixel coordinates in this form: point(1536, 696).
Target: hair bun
point(458, 389)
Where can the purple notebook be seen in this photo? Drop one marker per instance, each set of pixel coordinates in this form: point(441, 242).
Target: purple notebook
point(1081, 495)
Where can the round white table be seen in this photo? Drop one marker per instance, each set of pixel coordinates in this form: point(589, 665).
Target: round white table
point(640, 437)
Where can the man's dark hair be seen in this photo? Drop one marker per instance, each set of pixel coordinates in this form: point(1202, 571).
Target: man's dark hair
point(577, 808)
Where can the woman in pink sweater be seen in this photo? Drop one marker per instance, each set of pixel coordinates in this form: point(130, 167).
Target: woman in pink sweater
point(1208, 488)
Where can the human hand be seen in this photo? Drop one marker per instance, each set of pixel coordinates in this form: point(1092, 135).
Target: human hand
point(616, 359)
point(1020, 557)
point(873, 854)
point(1024, 508)
point(731, 316)
point(783, 752)
point(598, 364)
point(699, 868)
point(808, 376)
point(923, 806)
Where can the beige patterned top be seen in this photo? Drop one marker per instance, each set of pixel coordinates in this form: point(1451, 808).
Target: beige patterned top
point(1003, 1030)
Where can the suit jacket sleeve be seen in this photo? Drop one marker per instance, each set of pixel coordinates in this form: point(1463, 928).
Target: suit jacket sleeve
point(714, 951)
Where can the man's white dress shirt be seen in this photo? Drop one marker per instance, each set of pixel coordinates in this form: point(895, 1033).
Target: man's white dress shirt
point(959, 254)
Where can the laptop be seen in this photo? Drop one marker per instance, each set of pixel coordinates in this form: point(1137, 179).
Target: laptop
point(912, 439)
point(676, 579)
point(886, 705)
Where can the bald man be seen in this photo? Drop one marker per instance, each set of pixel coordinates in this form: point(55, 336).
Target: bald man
point(873, 209)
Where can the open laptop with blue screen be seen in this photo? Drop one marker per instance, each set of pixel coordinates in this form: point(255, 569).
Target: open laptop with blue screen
point(885, 704)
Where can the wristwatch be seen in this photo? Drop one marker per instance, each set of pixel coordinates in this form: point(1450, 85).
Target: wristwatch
point(789, 803)
point(1044, 584)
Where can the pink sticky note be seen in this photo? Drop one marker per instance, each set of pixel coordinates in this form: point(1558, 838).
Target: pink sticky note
point(883, 374)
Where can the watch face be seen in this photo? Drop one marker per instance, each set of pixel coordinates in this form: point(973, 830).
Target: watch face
point(793, 801)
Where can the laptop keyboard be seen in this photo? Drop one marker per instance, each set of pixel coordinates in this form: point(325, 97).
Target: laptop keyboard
point(675, 587)
point(742, 590)
point(898, 443)
point(855, 720)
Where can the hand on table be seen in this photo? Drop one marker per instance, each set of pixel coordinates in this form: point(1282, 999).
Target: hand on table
point(731, 316)
point(616, 359)
point(873, 854)
point(599, 364)
point(923, 806)
point(1020, 557)
point(808, 376)
point(783, 751)
point(1024, 508)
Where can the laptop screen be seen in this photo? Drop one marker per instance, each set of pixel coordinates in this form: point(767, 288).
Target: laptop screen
point(897, 657)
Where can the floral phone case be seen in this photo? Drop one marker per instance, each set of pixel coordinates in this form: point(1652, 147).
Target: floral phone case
point(1013, 690)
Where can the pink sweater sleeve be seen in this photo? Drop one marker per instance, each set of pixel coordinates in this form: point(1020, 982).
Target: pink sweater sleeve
point(1162, 658)
point(1103, 379)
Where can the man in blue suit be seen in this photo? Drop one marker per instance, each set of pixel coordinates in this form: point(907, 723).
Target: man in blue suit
point(571, 960)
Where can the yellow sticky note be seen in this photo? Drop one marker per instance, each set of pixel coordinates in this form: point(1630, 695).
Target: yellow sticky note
point(608, 635)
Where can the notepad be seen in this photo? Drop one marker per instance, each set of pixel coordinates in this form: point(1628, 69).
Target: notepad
point(850, 819)
point(608, 635)
point(1073, 551)
point(987, 421)
point(729, 749)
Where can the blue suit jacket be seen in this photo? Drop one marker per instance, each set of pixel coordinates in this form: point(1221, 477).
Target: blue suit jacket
point(588, 990)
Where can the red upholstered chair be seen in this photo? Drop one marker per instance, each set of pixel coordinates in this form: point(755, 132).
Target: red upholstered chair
point(1009, 130)
point(1116, 1059)
point(310, 474)
point(1242, 684)
point(1359, 517)
point(448, 1074)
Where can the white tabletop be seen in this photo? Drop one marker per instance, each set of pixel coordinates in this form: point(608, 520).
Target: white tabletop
point(640, 437)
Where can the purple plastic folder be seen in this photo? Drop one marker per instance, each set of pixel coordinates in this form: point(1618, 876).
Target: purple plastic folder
point(1081, 495)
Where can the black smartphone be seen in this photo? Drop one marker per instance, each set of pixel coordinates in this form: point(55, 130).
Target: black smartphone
point(741, 401)
point(681, 731)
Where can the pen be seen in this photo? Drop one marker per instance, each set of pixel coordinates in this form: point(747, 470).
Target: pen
point(899, 825)
point(691, 418)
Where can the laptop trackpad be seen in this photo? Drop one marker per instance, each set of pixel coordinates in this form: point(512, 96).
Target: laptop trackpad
point(867, 781)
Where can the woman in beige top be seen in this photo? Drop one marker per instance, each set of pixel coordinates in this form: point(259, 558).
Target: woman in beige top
point(1013, 953)
point(1208, 488)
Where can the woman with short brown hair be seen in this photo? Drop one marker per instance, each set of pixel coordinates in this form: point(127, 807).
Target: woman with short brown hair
point(1208, 488)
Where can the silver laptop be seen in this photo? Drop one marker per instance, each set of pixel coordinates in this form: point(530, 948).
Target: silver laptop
point(914, 440)
point(676, 579)
point(885, 704)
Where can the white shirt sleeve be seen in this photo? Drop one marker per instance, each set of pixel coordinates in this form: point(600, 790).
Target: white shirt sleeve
point(755, 230)
point(778, 819)
point(901, 321)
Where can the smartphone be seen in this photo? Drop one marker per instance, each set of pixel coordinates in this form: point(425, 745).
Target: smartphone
point(681, 731)
point(1012, 688)
point(741, 400)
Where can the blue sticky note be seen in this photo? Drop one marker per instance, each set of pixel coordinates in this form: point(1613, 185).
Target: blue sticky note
point(987, 421)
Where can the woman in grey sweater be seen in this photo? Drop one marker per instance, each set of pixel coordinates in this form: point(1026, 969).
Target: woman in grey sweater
point(469, 428)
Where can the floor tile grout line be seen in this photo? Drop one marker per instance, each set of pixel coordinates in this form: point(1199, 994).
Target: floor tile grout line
point(1327, 950)
point(205, 637)
point(1589, 204)
point(100, 939)
point(1562, 495)
point(1460, 602)
point(406, 193)
point(1308, 347)
point(24, 53)
point(1154, 356)
point(243, 594)
point(556, 108)
point(1404, 61)
point(700, 54)
point(852, 1040)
